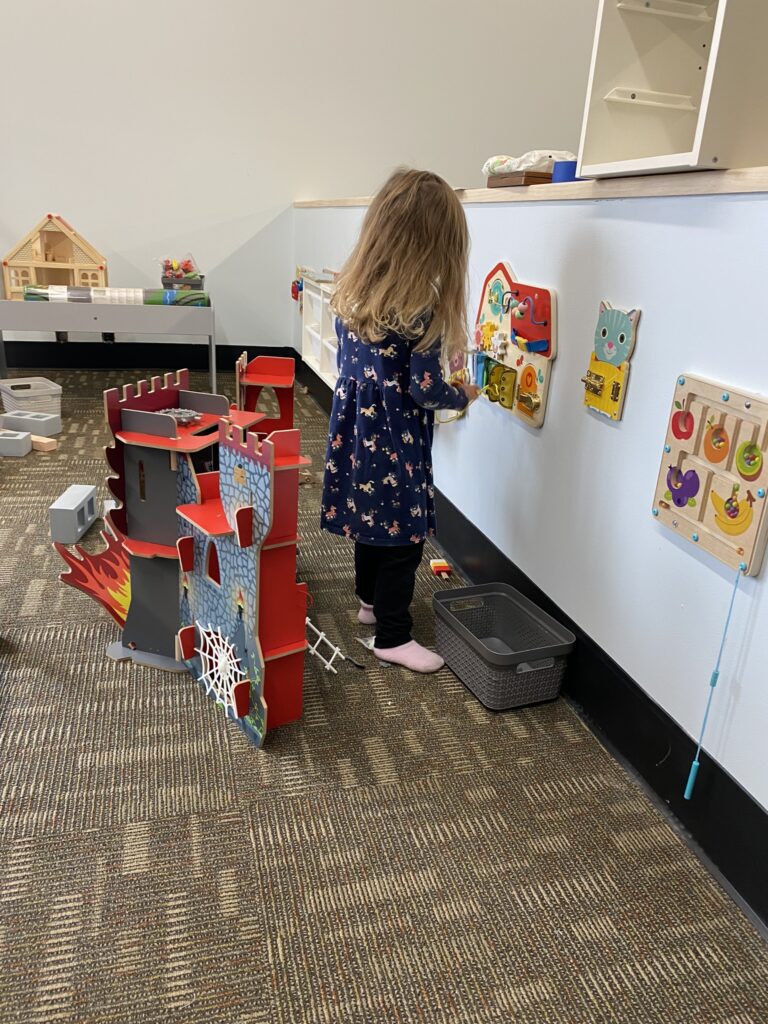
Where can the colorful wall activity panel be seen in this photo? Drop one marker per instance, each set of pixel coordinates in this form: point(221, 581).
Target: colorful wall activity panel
point(712, 482)
point(515, 340)
point(605, 382)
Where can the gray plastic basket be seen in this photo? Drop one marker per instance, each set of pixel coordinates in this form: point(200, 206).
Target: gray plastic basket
point(31, 394)
point(502, 647)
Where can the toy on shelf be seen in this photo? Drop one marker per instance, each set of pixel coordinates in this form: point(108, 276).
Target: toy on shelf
point(516, 343)
point(181, 275)
point(52, 254)
point(712, 481)
point(199, 568)
point(275, 372)
point(117, 296)
point(605, 382)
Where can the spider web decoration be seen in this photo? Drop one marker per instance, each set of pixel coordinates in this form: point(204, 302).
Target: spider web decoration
point(221, 670)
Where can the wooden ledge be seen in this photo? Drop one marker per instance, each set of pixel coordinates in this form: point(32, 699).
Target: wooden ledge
point(646, 186)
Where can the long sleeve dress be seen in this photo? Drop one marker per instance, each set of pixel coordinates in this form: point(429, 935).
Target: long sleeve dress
point(377, 486)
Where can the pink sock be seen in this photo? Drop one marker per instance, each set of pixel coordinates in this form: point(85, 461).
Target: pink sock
point(365, 615)
point(412, 656)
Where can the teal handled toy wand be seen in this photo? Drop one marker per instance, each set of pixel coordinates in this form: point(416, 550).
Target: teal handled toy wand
point(712, 684)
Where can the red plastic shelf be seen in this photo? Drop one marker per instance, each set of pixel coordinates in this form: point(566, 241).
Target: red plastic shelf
point(189, 437)
point(243, 418)
point(291, 462)
point(274, 653)
point(208, 517)
point(146, 549)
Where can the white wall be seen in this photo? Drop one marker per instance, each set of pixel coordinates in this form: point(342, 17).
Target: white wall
point(570, 504)
point(158, 128)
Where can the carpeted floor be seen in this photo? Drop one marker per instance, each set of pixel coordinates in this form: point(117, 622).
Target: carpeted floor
point(400, 855)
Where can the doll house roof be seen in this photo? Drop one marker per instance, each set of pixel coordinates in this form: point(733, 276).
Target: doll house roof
point(32, 247)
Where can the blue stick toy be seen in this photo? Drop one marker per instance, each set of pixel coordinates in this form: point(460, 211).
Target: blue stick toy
point(712, 684)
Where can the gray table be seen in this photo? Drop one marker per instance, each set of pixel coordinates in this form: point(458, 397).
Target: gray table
point(104, 318)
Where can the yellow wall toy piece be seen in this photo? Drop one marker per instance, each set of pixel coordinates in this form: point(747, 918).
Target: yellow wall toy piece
point(604, 387)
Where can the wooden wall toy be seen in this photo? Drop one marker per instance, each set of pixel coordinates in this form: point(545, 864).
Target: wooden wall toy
point(53, 254)
point(713, 480)
point(605, 382)
point(515, 332)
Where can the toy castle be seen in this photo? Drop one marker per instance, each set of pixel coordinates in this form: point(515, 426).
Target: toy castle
point(200, 564)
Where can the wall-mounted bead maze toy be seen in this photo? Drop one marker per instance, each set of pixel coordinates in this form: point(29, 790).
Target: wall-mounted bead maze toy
point(605, 382)
point(515, 342)
point(713, 482)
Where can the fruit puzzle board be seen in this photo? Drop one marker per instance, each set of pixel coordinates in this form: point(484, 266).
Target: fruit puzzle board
point(713, 479)
point(515, 342)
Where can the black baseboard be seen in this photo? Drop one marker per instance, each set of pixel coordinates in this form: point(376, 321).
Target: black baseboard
point(128, 355)
point(722, 819)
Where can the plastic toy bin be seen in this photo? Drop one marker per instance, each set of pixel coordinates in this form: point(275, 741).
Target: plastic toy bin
point(502, 647)
point(31, 394)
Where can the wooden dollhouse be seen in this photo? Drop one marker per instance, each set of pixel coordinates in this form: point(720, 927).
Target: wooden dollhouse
point(53, 254)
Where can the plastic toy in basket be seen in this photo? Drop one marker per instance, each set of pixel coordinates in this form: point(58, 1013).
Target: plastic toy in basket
point(183, 273)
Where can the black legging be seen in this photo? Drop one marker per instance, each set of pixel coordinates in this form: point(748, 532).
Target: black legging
point(385, 577)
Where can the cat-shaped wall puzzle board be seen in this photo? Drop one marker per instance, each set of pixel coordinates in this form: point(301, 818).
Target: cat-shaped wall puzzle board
point(515, 331)
point(605, 382)
point(713, 480)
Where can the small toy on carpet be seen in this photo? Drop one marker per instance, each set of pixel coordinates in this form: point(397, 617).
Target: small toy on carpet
point(440, 568)
point(322, 638)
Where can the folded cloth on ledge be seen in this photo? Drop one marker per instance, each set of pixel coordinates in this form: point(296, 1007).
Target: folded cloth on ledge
point(533, 160)
point(116, 296)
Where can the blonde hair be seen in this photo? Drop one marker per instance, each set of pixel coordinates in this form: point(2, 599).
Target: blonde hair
point(408, 271)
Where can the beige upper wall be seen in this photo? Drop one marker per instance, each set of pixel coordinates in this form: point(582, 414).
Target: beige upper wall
point(161, 128)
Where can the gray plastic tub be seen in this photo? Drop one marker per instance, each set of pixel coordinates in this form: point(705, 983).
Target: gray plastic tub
point(31, 394)
point(502, 647)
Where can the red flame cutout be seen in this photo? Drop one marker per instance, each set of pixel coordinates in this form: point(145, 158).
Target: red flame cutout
point(104, 576)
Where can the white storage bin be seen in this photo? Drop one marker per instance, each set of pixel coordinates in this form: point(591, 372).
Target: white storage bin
point(31, 394)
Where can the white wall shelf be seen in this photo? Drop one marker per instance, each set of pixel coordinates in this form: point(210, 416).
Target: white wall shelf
point(668, 9)
point(318, 338)
point(647, 98)
point(695, 73)
point(696, 183)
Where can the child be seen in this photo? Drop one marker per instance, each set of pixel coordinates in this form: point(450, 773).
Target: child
point(400, 303)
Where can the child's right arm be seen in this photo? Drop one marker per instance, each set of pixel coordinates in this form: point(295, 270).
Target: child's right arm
point(428, 387)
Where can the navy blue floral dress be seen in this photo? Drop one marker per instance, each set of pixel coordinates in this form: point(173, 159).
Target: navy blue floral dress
point(378, 467)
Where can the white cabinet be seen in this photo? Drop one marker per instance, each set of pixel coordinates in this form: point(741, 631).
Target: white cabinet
point(676, 85)
point(319, 344)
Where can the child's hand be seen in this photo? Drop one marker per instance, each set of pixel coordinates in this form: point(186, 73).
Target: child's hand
point(470, 390)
